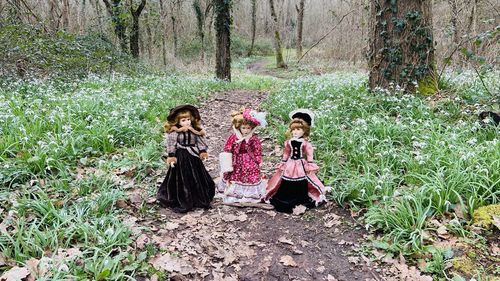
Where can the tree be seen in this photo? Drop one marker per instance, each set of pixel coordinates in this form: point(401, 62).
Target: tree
point(401, 45)
point(163, 15)
point(118, 19)
point(134, 32)
point(300, 24)
point(254, 26)
point(223, 39)
point(280, 63)
point(201, 15)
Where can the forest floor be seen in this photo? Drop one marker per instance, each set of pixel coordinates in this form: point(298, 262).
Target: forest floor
point(231, 243)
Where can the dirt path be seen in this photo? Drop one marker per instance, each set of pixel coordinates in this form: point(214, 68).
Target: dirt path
point(229, 243)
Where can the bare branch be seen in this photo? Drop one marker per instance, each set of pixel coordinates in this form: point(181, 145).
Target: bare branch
point(324, 36)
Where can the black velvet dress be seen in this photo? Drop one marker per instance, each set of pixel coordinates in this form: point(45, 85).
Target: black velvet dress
point(188, 184)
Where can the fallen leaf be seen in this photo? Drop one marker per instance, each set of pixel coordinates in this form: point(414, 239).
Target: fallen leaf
point(320, 269)
point(299, 210)
point(354, 260)
point(495, 250)
point(331, 223)
point(231, 217)
point(271, 213)
point(284, 240)
point(141, 241)
point(331, 278)
point(14, 274)
point(496, 221)
point(171, 264)
point(288, 261)
point(2, 260)
point(171, 225)
point(297, 252)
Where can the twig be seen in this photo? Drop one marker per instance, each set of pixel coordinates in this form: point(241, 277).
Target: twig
point(324, 36)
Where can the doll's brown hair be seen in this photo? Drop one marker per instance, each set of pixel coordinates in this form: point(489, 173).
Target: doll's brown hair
point(196, 124)
point(237, 119)
point(298, 123)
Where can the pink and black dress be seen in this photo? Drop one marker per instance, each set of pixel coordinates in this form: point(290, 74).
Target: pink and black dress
point(244, 184)
point(295, 182)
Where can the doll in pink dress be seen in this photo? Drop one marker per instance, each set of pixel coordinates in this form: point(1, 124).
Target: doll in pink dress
point(244, 183)
point(295, 181)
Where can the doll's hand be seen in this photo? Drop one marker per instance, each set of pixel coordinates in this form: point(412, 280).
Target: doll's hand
point(171, 160)
point(204, 156)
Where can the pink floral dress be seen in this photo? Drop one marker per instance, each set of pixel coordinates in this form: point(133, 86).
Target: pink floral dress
point(244, 183)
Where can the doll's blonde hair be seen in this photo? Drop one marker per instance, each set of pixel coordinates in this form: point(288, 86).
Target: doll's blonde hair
point(237, 119)
point(298, 123)
point(196, 124)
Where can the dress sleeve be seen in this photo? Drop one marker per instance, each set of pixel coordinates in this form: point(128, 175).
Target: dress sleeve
point(286, 152)
point(310, 166)
point(256, 149)
point(200, 144)
point(229, 143)
point(171, 144)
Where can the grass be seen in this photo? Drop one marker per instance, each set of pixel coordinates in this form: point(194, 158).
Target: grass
point(61, 144)
point(397, 156)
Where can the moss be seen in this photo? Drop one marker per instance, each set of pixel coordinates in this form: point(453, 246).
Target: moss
point(465, 265)
point(427, 86)
point(483, 216)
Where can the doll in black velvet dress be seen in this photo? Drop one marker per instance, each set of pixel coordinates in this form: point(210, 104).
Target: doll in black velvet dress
point(187, 185)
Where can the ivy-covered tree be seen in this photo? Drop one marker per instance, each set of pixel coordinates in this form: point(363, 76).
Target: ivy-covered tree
point(223, 41)
point(118, 17)
point(401, 45)
point(134, 32)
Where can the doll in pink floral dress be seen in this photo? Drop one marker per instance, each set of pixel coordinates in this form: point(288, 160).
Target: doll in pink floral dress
point(295, 181)
point(244, 183)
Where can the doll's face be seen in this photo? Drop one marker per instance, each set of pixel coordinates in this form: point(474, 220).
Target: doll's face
point(185, 122)
point(298, 132)
point(245, 129)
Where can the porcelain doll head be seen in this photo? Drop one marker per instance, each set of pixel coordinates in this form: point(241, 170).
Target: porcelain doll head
point(245, 120)
point(298, 128)
point(183, 116)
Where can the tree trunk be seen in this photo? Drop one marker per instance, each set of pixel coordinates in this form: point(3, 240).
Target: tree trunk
point(200, 20)
point(223, 42)
point(175, 10)
point(98, 10)
point(254, 26)
point(115, 12)
point(164, 33)
point(300, 25)
point(65, 15)
point(280, 63)
point(83, 17)
point(401, 46)
point(134, 32)
point(149, 40)
point(53, 15)
point(454, 21)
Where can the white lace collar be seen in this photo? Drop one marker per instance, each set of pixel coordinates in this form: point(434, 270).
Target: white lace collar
point(240, 137)
point(301, 139)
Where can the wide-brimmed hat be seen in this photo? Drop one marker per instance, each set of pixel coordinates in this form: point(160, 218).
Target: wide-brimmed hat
point(174, 111)
point(304, 114)
point(258, 118)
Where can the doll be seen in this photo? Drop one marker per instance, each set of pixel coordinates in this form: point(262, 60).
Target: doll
point(244, 183)
point(187, 185)
point(295, 181)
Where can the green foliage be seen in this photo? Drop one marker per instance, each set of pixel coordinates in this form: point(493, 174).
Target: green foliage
point(61, 144)
point(404, 160)
point(62, 55)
